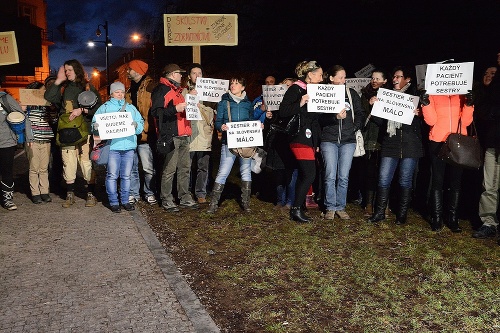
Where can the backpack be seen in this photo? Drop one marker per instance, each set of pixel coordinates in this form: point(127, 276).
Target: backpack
point(71, 132)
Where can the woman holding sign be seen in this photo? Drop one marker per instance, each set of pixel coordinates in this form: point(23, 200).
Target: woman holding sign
point(338, 142)
point(122, 149)
point(401, 145)
point(237, 103)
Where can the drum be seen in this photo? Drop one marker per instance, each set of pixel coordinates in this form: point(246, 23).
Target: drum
point(17, 123)
point(87, 99)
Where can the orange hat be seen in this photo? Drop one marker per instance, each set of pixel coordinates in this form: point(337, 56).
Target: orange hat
point(139, 66)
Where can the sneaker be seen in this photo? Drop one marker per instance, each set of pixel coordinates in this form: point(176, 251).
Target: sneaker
point(91, 200)
point(189, 204)
point(342, 214)
point(330, 215)
point(151, 200)
point(202, 200)
point(128, 207)
point(46, 197)
point(132, 200)
point(37, 199)
point(485, 232)
point(170, 207)
point(116, 209)
point(70, 199)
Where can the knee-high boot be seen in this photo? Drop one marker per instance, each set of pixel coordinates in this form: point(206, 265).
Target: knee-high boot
point(452, 218)
point(404, 203)
point(246, 191)
point(436, 210)
point(381, 203)
point(214, 200)
point(369, 203)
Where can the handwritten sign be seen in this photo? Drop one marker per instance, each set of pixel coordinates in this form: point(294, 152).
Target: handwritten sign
point(244, 134)
point(200, 29)
point(115, 125)
point(420, 71)
point(273, 95)
point(394, 105)
point(32, 97)
point(327, 98)
point(449, 79)
point(357, 84)
point(211, 90)
point(365, 71)
point(8, 48)
point(192, 110)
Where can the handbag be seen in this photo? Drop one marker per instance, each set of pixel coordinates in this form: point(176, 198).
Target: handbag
point(100, 153)
point(244, 152)
point(360, 142)
point(288, 125)
point(462, 150)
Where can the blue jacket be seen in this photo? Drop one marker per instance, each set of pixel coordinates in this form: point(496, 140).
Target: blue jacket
point(115, 105)
point(241, 111)
point(258, 114)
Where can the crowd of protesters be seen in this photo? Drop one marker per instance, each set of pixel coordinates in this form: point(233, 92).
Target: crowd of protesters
point(319, 155)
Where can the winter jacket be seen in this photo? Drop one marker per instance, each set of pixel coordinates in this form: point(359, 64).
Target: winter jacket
point(310, 131)
point(7, 137)
point(164, 98)
point(258, 114)
point(343, 130)
point(202, 130)
point(144, 89)
point(371, 133)
point(241, 111)
point(115, 105)
point(443, 113)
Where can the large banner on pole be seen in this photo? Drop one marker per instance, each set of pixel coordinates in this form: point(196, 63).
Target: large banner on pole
point(394, 105)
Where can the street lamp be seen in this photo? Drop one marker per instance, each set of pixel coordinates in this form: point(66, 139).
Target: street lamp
point(107, 44)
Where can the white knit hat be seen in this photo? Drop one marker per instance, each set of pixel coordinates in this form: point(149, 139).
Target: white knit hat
point(116, 86)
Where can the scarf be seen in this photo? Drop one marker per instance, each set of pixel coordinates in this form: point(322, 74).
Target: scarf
point(236, 98)
point(392, 125)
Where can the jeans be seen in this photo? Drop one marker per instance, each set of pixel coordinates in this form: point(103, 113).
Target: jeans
point(337, 158)
point(119, 165)
point(488, 203)
point(199, 168)
point(176, 162)
point(388, 167)
point(226, 164)
point(286, 193)
point(145, 153)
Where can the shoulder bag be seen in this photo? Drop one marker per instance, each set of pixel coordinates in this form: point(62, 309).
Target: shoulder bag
point(245, 152)
point(360, 143)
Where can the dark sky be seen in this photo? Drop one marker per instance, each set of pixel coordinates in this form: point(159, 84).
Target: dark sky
point(274, 34)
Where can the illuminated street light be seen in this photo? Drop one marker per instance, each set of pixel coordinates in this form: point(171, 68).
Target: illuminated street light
point(107, 44)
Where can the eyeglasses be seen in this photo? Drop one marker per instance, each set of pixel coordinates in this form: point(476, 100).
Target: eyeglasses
point(177, 72)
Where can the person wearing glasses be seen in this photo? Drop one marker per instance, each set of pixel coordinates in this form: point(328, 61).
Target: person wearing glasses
point(169, 107)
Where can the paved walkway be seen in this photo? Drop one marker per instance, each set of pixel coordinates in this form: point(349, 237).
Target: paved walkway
point(89, 270)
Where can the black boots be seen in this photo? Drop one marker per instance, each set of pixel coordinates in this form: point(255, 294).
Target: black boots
point(214, 200)
point(436, 209)
point(381, 203)
point(452, 217)
point(246, 191)
point(404, 203)
point(297, 214)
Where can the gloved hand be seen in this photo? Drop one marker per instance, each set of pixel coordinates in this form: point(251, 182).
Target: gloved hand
point(134, 123)
point(424, 98)
point(469, 98)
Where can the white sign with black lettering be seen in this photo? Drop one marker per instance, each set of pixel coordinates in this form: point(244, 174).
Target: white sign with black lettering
point(365, 71)
point(449, 79)
point(327, 98)
point(394, 105)
point(211, 90)
point(357, 84)
point(244, 134)
point(273, 95)
point(115, 125)
point(420, 71)
point(192, 110)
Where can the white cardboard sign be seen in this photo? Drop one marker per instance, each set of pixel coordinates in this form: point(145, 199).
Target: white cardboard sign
point(211, 90)
point(449, 79)
point(244, 134)
point(192, 110)
point(357, 83)
point(394, 105)
point(273, 95)
point(115, 125)
point(327, 98)
point(365, 71)
point(420, 71)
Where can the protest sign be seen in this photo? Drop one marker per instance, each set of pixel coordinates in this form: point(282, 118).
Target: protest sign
point(192, 110)
point(394, 105)
point(211, 90)
point(449, 79)
point(115, 125)
point(273, 95)
point(32, 97)
point(420, 71)
point(365, 71)
point(327, 98)
point(244, 134)
point(8, 48)
point(357, 83)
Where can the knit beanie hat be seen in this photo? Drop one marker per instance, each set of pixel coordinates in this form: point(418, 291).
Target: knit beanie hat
point(116, 86)
point(138, 66)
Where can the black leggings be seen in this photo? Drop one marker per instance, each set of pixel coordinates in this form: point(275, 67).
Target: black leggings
point(442, 172)
point(7, 165)
point(306, 176)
